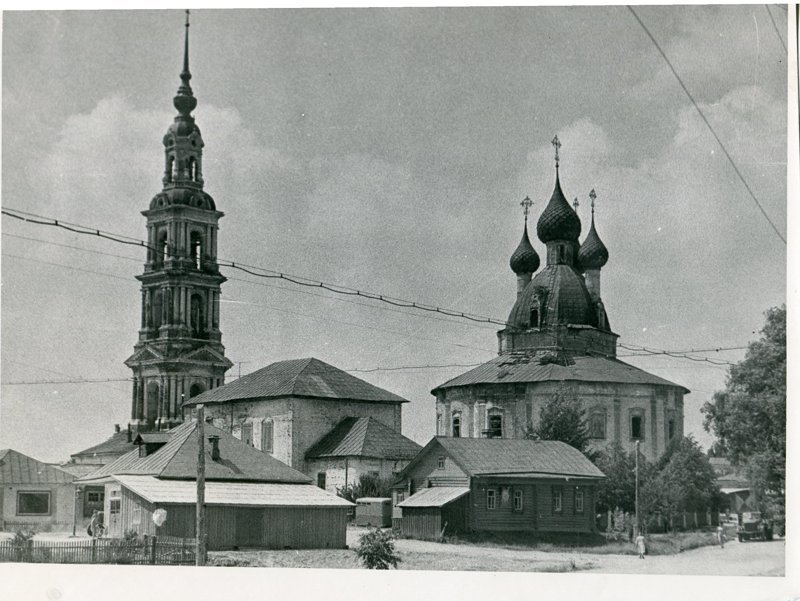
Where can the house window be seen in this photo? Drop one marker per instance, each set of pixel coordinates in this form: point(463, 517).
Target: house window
point(401, 496)
point(491, 498)
point(597, 425)
point(321, 480)
point(440, 463)
point(495, 429)
point(517, 500)
point(456, 426)
point(114, 505)
point(578, 500)
point(94, 497)
point(670, 429)
point(33, 503)
point(247, 433)
point(637, 427)
point(557, 499)
point(266, 436)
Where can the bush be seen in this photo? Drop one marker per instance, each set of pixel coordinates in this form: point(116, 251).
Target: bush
point(368, 486)
point(376, 550)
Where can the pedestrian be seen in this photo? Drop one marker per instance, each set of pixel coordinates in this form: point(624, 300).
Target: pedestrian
point(96, 524)
point(721, 536)
point(92, 524)
point(640, 546)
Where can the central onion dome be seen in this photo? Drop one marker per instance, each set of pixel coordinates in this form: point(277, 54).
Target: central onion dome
point(558, 221)
point(593, 253)
point(525, 259)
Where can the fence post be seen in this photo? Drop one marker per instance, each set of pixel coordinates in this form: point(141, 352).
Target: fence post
point(29, 550)
point(153, 550)
point(94, 549)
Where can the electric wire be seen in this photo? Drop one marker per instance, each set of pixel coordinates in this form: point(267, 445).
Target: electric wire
point(708, 125)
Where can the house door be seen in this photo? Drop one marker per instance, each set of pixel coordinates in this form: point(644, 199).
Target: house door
point(249, 527)
point(113, 525)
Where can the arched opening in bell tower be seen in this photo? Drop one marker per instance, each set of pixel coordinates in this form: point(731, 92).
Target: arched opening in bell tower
point(153, 397)
point(196, 249)
point(197, 316)
point(158, 308)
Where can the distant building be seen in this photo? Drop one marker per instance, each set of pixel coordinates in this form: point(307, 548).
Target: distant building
point(252, 499)
point(33, 494)
point(496, 485)
point(558, 340)
point(314, 417)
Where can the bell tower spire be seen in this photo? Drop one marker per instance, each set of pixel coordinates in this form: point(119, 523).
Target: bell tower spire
point(180, 351)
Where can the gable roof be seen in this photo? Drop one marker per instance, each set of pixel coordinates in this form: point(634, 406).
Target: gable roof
point(300, 378)
point(510, 456)
point(177, 459)
point(118, 444)
point(524, 367)
point(364, 437)
point(16, 468)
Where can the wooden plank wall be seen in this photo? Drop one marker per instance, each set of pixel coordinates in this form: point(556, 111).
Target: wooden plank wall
point(423, 523)
point(503, 518)
point(568, 520)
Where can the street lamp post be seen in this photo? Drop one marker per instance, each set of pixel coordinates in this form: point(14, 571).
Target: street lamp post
point(636, 509)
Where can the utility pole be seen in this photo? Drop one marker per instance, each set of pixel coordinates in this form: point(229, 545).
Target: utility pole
point(200, 530)
point(636, 528)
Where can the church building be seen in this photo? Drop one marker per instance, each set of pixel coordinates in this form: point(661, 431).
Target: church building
point(558, 341)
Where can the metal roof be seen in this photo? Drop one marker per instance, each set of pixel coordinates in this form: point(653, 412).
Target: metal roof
point(16, 468)
point(507, 456)
point(437, 496)
point(156, 490)
point(117, 444)
point(178, 459)
point(300, 378)
point(364, 437)
point(524, 367)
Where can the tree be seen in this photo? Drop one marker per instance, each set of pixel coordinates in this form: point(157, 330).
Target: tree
point(618, 489)
point(369, 485)
point(563, 418)
point(681, 480)
point(748, 418)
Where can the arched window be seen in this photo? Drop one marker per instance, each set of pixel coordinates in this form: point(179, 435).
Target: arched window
point(457, 425)
point(535, 317)
point(495, 429)
point(162, 248)
point(196, 249)
point(158, 308)
point(597, 425)
point(197, 316)
point(195, 390)
point(191, 169)
point(561, 253)
point(170, 169)
point(153, 398)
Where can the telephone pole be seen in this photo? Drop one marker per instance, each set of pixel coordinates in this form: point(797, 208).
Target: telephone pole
point(636, 509)
point(200, 554)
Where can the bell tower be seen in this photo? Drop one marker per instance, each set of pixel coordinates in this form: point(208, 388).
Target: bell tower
point(179, 353)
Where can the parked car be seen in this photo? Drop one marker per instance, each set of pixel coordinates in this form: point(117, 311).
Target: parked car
point(753, 527)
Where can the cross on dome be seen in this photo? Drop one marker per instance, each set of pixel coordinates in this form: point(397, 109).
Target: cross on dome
point(556, 144)
point(526, 206)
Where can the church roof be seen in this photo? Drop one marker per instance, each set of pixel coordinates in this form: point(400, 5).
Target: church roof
point(16, 468)
point(558, 221)
point(297, 378)
point(177, 459)
point(565, 300)
point(593, 253)
point(118, 444)
point(364, 437)
point(525, 259)
point(523, 368)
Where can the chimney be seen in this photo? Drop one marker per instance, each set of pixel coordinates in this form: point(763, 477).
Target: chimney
point(129, 433)
point(116, 428)
point(214, 440)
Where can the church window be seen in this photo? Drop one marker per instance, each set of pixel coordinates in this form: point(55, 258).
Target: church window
point(157, 308)
point(195, 390)
point(495, 429)
point(561, 253)
point(637, 427)
point(196, 249)
point(535, 317)
point(197, 316)
point(670, 429)
point(456, 426)
point(33, 503)
point(192, 168)
point(597, 425)
point(153, 397)
point(266, 436)
point(247, 434)
point(321, 480)
point(162, 248)
point(170, 169)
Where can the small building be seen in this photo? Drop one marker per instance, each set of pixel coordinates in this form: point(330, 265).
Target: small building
point(496, 485)
point(358, 446)
point(285, 408)
point(34, 495)
point(252, 499)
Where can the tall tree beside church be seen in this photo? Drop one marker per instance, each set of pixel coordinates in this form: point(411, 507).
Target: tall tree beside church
point(563, 418)
point(748, 418)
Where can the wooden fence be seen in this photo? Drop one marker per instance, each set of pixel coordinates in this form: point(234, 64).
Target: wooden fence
point(146, 551)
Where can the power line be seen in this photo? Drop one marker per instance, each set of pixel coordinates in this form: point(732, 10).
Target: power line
point(708, 124)
point(775, 26)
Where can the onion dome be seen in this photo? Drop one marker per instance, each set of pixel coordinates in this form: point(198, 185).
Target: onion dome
point(525, 259)
point(558, 221)
point(593, 253)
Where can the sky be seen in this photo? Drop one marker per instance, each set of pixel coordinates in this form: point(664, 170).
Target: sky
point(386, 150)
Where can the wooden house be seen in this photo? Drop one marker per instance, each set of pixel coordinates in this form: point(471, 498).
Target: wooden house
point(496, 485)
point(33, 494)
point(252, 499)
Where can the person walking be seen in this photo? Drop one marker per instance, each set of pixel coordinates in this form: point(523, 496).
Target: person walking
point(640, 546)
point(721, 536)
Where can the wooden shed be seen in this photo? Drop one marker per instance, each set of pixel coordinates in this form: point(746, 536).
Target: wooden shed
point(238, 514)
point(435, 512)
